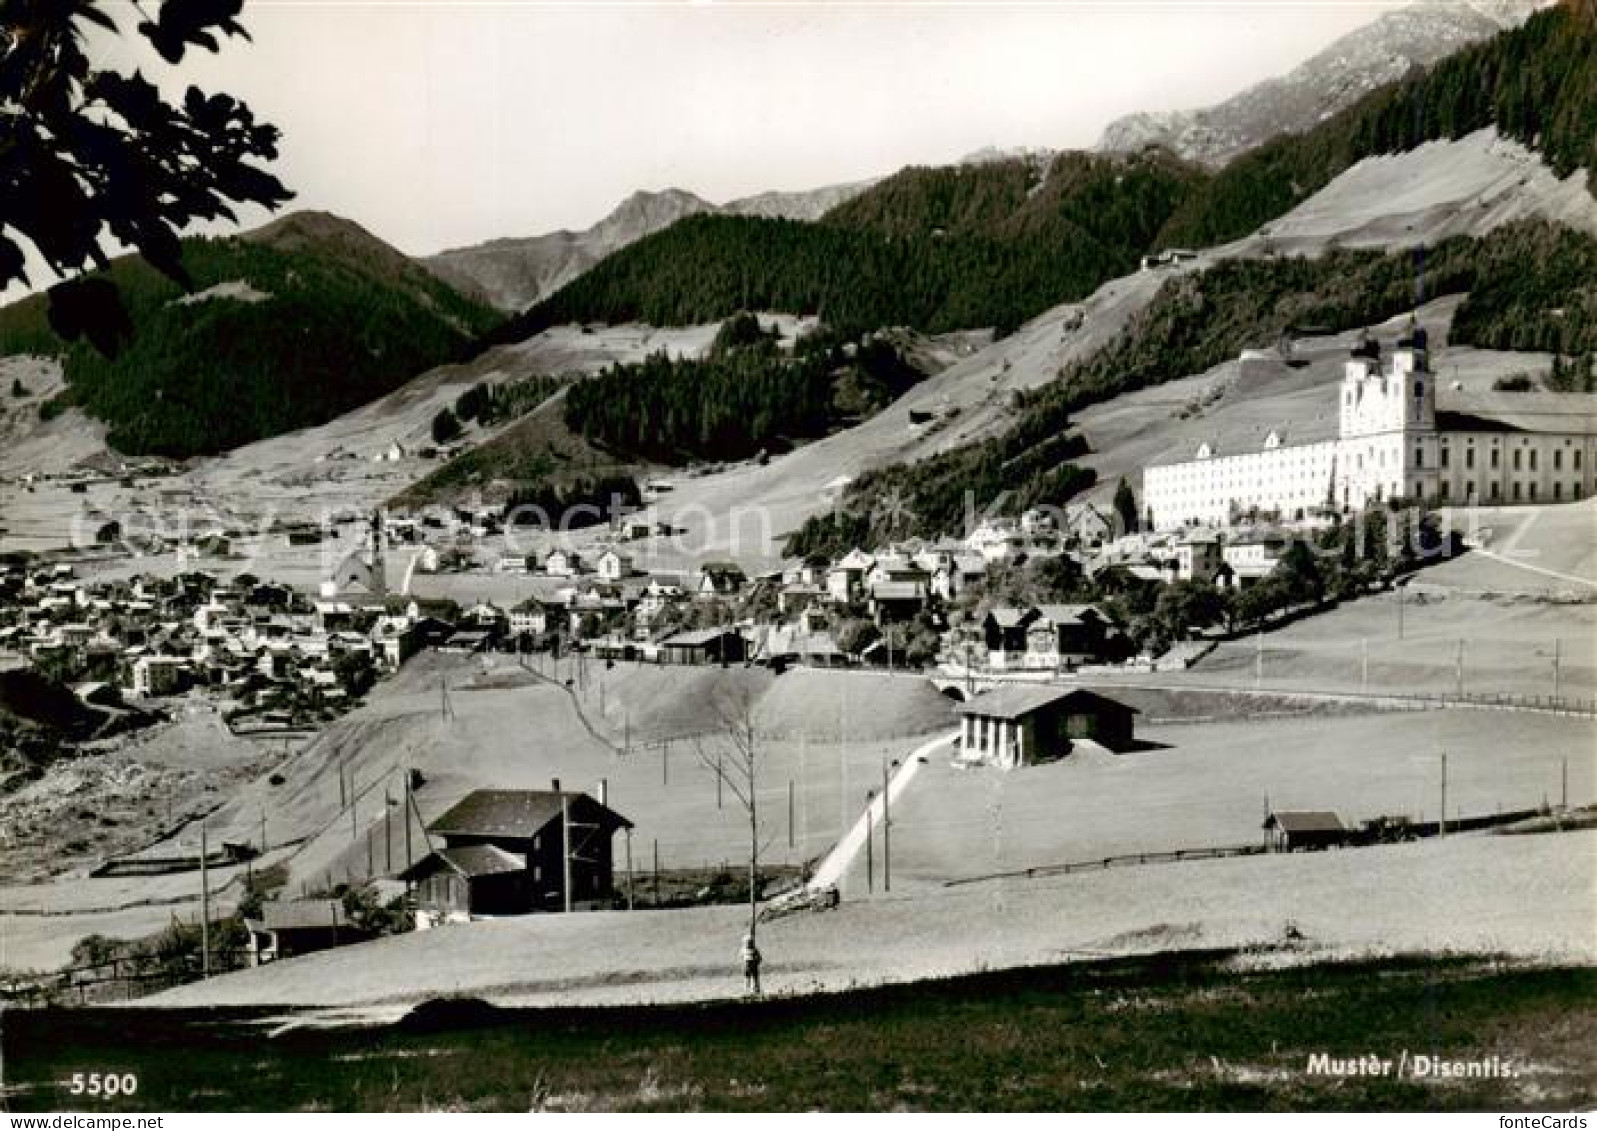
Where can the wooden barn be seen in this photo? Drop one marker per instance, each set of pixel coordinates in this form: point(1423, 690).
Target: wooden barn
point(299, 926)
point(705, 646)
point(1024, 725)
point(1308, 829)
point(505, 853)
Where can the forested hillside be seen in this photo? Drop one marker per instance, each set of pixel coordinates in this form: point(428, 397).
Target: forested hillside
point(287, 328)
point(1536, 84)
point(932, 249)
point(744, 398)
point(1531, 286)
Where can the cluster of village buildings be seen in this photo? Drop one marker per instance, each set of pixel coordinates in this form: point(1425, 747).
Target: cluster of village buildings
point(151, 637)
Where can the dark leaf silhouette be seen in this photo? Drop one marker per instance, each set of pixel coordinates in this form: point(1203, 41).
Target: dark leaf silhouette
point(94, 156)
point(90, 308)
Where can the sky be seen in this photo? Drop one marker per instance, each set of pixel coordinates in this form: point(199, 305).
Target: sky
point(441, 123)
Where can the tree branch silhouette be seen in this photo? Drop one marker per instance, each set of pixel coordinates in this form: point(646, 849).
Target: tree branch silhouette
point(91, 156)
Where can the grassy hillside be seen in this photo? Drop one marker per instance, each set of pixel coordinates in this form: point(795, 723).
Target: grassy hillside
point(1536, 84)
point(287, 327)
point(934, 249)
point(1164, 1032)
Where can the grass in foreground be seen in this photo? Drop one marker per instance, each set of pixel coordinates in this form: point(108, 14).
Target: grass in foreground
point(1168, 1032)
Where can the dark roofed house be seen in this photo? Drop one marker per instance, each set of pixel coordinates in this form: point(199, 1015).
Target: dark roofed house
point(299, 926)
point(504, 854)
point(1292, 829)
point(705, 646)
point(1022, 725)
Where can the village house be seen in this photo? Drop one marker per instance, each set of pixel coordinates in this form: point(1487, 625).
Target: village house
point(509, 851)
point(1088, 525)
point(300, 926)
point(1305, 829)
point(1196, 555)
point(996, 539)
point(1252, 555)
point(613, 565)
point(562, 563)
point(705, 646)
point(845, 580)
point(155, 676)
point(1024, 725)
point(1045, 637)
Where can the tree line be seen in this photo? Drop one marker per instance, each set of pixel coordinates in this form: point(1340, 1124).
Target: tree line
point(745, 397)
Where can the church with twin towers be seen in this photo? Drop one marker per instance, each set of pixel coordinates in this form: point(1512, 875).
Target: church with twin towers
point(1392, 442)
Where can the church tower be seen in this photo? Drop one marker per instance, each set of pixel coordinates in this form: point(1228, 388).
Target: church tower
point(1387, 445)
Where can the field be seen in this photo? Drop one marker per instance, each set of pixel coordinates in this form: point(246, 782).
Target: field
point(1529, 896)
point(1206, 784)
point(1174, 1032)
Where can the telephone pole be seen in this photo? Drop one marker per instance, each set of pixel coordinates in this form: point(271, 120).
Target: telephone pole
point(887, 832)
point(205, 905)
point(870, 864)
point(628, 832)
point(408, 803)
point(565, 848)
point(1557, 656)
point(1441, 827)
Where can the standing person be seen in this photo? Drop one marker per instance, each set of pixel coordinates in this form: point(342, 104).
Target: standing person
point(751, 965)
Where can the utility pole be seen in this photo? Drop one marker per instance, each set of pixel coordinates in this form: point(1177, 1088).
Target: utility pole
point(388, 830)
point(565, 848)
point(263, 830)
point(718, 781)
point(205, 905)
point(628, 832)
point(1557, 656)
point(408, 803)
point(657, 872)
point(870, 865)
point(1442, 823)
point(1563, 784)
point(887, 831)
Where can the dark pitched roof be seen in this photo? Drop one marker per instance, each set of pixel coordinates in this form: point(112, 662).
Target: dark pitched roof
point(302, 914)
point(1305, 821)
point(1017, 701)
point(480, 860)
point(697, 637)
point(515, 813)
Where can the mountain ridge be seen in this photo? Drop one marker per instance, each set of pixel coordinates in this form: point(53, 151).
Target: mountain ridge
point(513, 272)
point(1368, 57)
